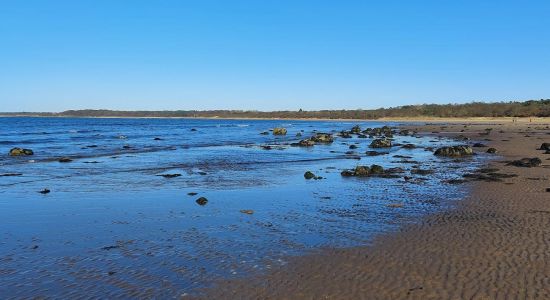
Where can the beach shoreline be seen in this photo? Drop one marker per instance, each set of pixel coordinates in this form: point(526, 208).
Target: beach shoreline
point(493, 244)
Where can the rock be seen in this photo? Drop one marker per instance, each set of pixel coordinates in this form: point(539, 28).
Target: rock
point(362, 171)
point(422, 171)
point(202, 201)
point(376, 169)
point(353, 146)
point(526, 162)
point(395, 205)
point(309, 175)
point(10, 174)
point(478, 145)
point(380, 143)
point(492, 150)
point(454, 151)
point(545, 146)
point(65, 160)
point(548, 190)
point(264, 133)
point(409, 146)
point(345, 134)
point(362, 136)
point(157, 139)
point(247, 211)
point(266, 147)
point(44, 191)
point(192, 194)
point(356, 129)
point(299, 134)
point(193, 129)
point(323, 138)
point(304, 143)
point(279, 131)
point(347, 173)
point(126, 147)
point(170, 175)
point(375, 153)
point(20, 152)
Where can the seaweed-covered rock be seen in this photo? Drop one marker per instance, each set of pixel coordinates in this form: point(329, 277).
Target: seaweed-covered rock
point(279, 131)
point(526, 162)
point(380, 143)
point(492, 150)
point(362, 171)
point(202, 201)
point(356, 129)
point(376, 169)
point(20, 152)
point(373, 170)
point(323, 138)
point(454, 151)
point(309, 175)
point(304, 143)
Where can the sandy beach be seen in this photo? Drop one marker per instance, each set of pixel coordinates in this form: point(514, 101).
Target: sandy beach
point(493, 245)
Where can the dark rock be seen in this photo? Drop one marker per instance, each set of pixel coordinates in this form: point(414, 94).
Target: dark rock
point(126, 147)
point(422, 171)
point(345, 134)
point(492, 150)
point(10, 174)
point(20, 152)
point(264, 133)
point(545, 146)
point(353, 146)
point(356, 129)
point(304, 143)
point(309, 175)
point(157, 139)
point(65, 160)
point(376, 169)
point(375, 153)
point(454, 151)
point(202, 201)
point(322, 138)
point(44, 191)
point(409, 146)
point(192, 194)
point(478, 145)
point(170, 175)
point(526, 162)
point(193, 129)
point(380, 143)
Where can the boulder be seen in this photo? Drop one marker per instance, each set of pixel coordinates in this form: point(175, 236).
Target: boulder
point(376, 169)
point(309, 175)
point(380, 143)
point(454, 151)
point(279, 131)
point(20, 152)
point(545, 146)
point(356, 129)
point(353, 147)
point(323, 138)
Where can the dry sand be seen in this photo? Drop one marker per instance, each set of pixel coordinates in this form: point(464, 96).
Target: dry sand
point(494, 245)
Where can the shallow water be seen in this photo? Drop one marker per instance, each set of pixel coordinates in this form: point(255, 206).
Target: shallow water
point(110, 227)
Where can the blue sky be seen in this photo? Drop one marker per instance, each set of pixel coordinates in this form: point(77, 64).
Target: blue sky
point(269, 55)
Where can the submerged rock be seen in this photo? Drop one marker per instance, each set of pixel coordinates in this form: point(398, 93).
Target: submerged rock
point(375, 153)
point(526, 162)
point(247, 211)
point(380, 143)
point(202, 201)
point(454, 151)
point(279, 131)
point(20, 152)
point(44, 191)
point(65, 160)
point(170, 175)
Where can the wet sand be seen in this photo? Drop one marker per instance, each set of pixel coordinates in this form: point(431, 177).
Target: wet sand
point(494, 244)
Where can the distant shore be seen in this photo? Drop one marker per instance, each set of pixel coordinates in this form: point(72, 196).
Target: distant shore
point(403, 119)
point(493, 245)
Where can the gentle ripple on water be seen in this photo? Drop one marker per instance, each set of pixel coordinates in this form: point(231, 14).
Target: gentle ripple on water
point(112, 228)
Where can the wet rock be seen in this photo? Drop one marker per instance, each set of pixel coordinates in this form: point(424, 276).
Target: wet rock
point(64, 160)
point(170, 175)
point(395, 205)
point(454, 151)
point(409, 146)
point(202, 201)
point(45, 191)
point(344, 134)
point(299, 134)
point(545, 146)
point(362, 136)
point(353, 146)
point(264, 133)
point(126, 147)
point(304, 143)
point(375, 153)
point(193, 129)
point(380, 143)
point(455, 181)
point(247, 211)
point(309, 175)
point(479, 145)
point(376, 169)
point(526, 162)
point(20, 152)
point(157, 139)
point(322, 138)
point(492, 150)
point(192, 194)
point(266, 147)
point(373, 170)
point(279, 131)
point(356, 129)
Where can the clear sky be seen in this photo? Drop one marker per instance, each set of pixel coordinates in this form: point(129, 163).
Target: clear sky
point(270, 54)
